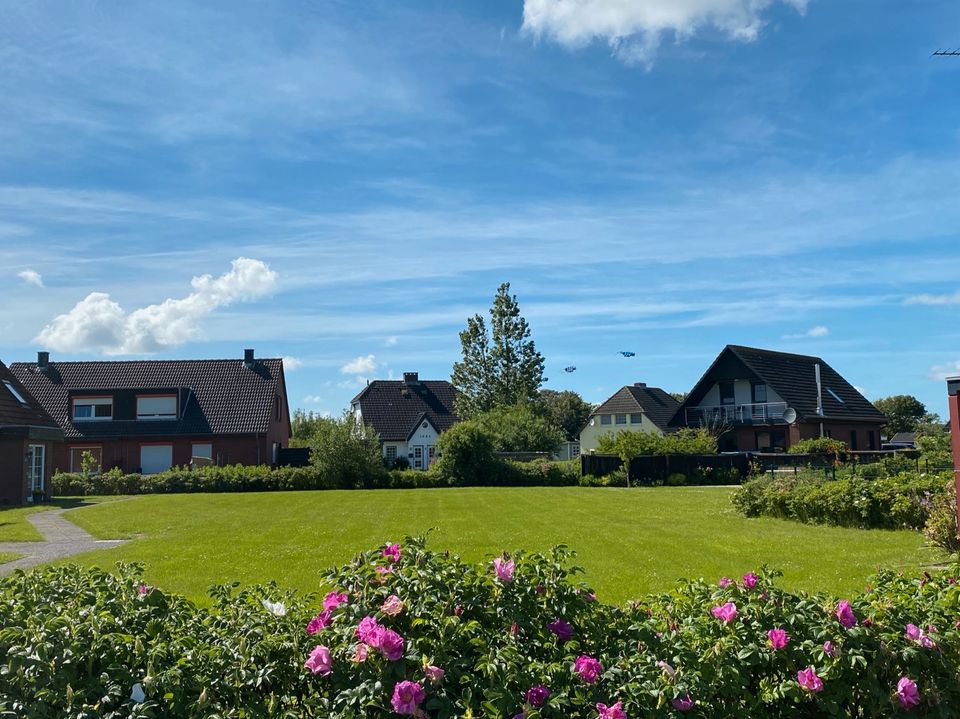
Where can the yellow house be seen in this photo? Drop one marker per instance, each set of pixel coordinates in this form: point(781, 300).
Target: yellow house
point(635, 408)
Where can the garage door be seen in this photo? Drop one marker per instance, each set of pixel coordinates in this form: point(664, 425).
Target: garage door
point(156, 458)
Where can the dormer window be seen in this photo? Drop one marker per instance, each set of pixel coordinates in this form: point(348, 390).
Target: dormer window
point(88, 409)
point(157, 406)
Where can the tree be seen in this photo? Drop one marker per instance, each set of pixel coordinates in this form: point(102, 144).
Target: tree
point(904, 412)
point(679, 396)
point(466, 455)
point(566, 410)
point(303, 425)
point(520, 429)
point(500, 368)
point(346, 451)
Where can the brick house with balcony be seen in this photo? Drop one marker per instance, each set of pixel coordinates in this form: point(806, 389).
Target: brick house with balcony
point(28, 437)
point(408, 415)
point(147, 416)
point(762, 400)
point(635, 408)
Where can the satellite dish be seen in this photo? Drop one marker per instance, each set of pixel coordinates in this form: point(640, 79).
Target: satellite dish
point(593, 422)
point(789, 415)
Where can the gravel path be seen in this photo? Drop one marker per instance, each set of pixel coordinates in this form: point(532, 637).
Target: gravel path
point(61, 538)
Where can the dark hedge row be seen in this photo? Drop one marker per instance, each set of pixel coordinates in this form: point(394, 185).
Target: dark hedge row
point(407, 631)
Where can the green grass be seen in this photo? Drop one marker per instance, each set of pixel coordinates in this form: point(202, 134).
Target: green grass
point(631, 541)
point(8, 557)
point(14, 526)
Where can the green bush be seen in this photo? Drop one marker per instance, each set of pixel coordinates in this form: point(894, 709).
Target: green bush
point(941, 527)
point(467, 456)
point(899, 502)
point(834, 450)
point(628, 445)
point(676, 480)
point(475, 638)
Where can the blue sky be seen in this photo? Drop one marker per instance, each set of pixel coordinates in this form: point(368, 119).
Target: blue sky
point(343, 183)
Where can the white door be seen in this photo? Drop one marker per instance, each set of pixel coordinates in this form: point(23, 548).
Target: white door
point(155, 458)
point(36, 465)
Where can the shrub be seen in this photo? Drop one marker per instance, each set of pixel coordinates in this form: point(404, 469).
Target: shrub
point(900, 502)
point(628, 445)
point(347, 452)
point(832, 449)
point(941, 527)
point(475, 638)
point(520, 428)
point(676, 480)
point(467, 455)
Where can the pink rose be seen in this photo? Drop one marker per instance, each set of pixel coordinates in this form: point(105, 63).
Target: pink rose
point(908, 693)
point(778, 638)
point(683, 704)
point(750, 580)
point(320, 661)
point(562, 629)
point(537, 696)
point(407, 696)
point(725, 612)
point(392, 552)
point(912, 633)
point(390, 644)
point(845, 615)
point(368, 631)
point(588, 668)
point(725, 582)
point(334, 600)
point(829, 649)
point(433, 674)
point(504, 569)
point(383, 571)
point(392, 606)
point(809, 680)
point(359, 654)
point(321, 621)
point(611, 712)
point(458, 610)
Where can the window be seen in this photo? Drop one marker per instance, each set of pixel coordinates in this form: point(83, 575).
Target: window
point(727, 395)
point(203, 451)
point(759, 390)
point(36, 468)
point(431, 451)
point(14, 391)
point(834, 395)
point(636, 418)
point(76, 457)
point(605, 419)
point(391, 452)
point(621, 419)
point(156, 406)
point(853, 439)
point(574, 450)
point(92, 408)
point(155, 458)
point(418, 452)
point(871, 440)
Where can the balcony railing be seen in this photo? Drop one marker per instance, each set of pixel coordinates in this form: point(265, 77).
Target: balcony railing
point(736, 414)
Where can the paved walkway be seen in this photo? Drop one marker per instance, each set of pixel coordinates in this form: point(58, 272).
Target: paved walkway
point(61, 539)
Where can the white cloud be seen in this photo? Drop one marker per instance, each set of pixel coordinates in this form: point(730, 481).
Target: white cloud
point(391, 341)
point(360, 365)
point(634, 28)
point(952, 299)
point(861, 390)
point(818, 331)
point(31, 277)
point(292, 364)
point(98, 323)
point(312, 399)
point(941, 371)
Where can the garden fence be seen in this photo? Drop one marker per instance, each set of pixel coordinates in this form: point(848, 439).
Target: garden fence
point(649, 469)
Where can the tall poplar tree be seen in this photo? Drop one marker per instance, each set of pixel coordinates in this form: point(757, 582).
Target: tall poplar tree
point(500, 368)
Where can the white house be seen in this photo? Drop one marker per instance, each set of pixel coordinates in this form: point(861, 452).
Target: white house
point(635, 408)
point(409, 415)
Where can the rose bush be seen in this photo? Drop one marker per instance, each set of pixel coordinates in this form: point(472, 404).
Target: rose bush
point(405, 631)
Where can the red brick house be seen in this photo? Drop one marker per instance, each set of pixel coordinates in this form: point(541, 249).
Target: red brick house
point(149, 415)
point(763, 400)
point(953, 399)
point(28, 438)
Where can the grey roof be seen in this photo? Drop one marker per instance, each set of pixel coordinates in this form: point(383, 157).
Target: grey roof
point(395, 408)
point(792, 376)
point(216, 397)
point(16, 415)
point(652, 401)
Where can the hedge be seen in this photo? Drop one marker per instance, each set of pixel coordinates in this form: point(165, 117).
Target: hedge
point(241, 478)
point(407, 631)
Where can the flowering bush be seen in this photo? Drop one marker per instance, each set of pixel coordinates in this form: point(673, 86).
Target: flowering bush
point(903, 501)
point(410, 632)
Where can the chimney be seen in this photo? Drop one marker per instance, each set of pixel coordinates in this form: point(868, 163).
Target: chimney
point(639, 384)
point(43, 361)
point(411, 378)
point(248, 359)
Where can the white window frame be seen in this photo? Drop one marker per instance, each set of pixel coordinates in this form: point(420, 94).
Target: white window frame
point(93, 449)
point(391, 452)
point(36, 451)
point(152, 416)
point(621, 419)
point(91, 402)
point(152, 445)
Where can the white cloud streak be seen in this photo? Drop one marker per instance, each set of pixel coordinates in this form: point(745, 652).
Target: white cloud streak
point(360, 365)
point(812, 333)
point(292, 364)
point(634, 29)
point(947, 299)
point(99, 324)
point(940, 372)
point(31, 277)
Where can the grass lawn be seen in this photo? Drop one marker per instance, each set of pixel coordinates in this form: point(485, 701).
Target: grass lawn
point(14, 526)
point(8, 557)
point(631, 541)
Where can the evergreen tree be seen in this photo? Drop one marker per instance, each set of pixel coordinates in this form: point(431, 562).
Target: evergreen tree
point(500, 368)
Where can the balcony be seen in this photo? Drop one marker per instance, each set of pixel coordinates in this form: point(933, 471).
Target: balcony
point(732, 415)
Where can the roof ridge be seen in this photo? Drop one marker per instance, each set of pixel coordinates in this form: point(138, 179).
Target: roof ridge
point(763, 350)
point(145, 361)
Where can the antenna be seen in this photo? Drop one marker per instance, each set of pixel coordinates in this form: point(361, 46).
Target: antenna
point(946, 53)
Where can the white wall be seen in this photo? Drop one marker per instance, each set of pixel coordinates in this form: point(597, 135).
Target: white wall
point(591, 434)
point(742, 393)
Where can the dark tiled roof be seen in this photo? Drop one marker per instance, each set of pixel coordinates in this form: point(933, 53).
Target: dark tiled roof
point(653, 401)
point(215, 396)
point(13, 413)
point(395, 409)
point(904, 438)
point(792, 376)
